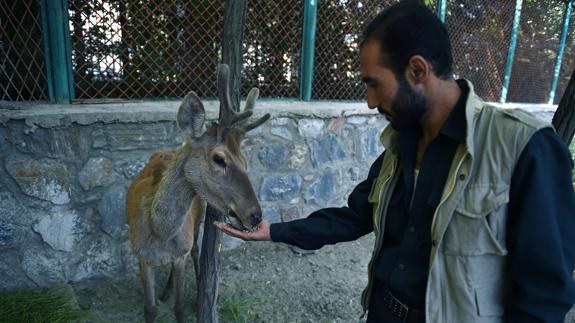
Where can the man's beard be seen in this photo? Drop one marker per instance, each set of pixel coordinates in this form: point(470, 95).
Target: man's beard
point(408, 107)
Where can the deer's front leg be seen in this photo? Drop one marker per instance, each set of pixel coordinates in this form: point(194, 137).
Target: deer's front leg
point(179, 284)
point(147, 276)
point(169, 286)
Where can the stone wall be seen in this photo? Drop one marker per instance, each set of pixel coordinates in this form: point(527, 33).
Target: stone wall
point(64, 171)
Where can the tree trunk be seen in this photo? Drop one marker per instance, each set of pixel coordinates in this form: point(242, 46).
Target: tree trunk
point(564, 118)
point(208, 286)
point(234, 25)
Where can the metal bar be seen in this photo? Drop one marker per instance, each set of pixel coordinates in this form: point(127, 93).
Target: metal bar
point(441, 9)
point(307, 51)
point(511, 52)
point(57, 50)
point(559, 61)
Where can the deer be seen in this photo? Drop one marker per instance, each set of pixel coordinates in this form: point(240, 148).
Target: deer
point(167, 200)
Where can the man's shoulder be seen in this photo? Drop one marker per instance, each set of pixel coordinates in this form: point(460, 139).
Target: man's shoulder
point(511, 118)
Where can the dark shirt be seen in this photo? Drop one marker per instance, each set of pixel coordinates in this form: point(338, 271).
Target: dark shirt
point(540, 232)
point(403, 263)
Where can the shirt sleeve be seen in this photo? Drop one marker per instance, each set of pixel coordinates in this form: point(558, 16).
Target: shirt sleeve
point(332, 225)
point(541, 232)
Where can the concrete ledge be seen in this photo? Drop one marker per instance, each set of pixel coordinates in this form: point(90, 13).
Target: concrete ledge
point(47, 115)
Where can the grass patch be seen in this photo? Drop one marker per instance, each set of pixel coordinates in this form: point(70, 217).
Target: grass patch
point(236, 309)
point(44, 305)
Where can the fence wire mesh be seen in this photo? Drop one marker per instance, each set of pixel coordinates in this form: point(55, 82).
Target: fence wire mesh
point(144, 49)
point(537, 47)
point(22, 70)
point(133, 49)
point(568, 64)
point(272, 47)
point(479, 33)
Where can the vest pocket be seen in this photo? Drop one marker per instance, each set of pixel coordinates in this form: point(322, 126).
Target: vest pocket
point(489, 300)
point(478, 223)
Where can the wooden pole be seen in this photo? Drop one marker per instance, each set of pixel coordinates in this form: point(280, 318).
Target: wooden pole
point(232, 40)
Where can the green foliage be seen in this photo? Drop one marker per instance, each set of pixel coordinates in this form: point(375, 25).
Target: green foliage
point(46, 305)
point(236, 309)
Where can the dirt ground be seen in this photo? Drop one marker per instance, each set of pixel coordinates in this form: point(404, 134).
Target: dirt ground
point(259, 282)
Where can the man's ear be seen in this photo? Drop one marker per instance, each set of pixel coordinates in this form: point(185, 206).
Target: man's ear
point(418, 70)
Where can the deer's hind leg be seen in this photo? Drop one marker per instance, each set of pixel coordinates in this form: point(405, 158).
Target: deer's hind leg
point(179, 270)
point(147, 276)
point(167, 292)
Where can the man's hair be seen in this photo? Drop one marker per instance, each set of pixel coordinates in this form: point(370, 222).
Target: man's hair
point(409, 28)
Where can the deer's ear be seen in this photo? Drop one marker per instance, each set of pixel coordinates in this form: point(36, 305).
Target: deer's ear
point(191, 115)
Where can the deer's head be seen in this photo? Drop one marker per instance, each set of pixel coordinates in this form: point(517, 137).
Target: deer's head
point(215, 166)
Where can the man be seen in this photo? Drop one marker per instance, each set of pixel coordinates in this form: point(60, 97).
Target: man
point(472, 206)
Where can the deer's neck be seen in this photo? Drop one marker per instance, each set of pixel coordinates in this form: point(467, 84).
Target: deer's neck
point(172, 200)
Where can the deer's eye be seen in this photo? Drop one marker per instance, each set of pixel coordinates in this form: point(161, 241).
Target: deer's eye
point(219, 160)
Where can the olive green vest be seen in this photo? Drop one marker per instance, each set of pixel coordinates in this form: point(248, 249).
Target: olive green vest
point(467, 276)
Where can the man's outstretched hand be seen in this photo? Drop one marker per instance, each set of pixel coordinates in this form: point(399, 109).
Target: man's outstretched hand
point(262, 233)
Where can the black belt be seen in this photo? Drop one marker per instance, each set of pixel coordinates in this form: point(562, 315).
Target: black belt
point(399, 309)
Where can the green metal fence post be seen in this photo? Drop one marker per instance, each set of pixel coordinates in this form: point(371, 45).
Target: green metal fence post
point(57, 50)
point(511, 52)
point(307, 49)
point(441, 9)
point(564, 31)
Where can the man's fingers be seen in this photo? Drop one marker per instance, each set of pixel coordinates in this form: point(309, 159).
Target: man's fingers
point(230, 230)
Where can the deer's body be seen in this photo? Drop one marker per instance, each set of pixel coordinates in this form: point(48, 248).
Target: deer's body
point(151, 243)
point(166, 201)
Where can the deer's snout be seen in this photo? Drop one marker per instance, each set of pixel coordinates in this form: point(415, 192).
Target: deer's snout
point(256, 218)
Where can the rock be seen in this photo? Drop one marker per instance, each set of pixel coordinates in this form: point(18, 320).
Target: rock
point(112, 211)
point(290, 214)
point(298, 156)
point(97, 172)
point(12, 276)
point(354, 174)
point(281, 132)
point(15, 221)
point(43, 267)
point(131, 168)
point(60, 229)
point(101, 258)
point(326, 149)
point(356, 120)
point(324, 187)
point(280, 187)
point(271, 215)
point(125, 136)
point(368, 143)
point(45, 179)
point(336, 123)
point(310, 128)
point(273, 156)
point(280, 121)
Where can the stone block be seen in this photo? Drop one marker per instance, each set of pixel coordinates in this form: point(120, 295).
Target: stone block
point(310, 128)
point(281, 132)
point(61, 229)
point(97, 171)
point(12, 276)
point(356, 120)
point(336, 123)
point(326, 149)
point(100, 259)
point(15, 220)
point(324, 187)
point(44, 266)
point(112, 211)
point(124, 136)
point(369, 143)
point(272, 215)
point(273, 156)
point(290, 214)
point(132, 167)
point(298, 156)
point(280, 187)
point(46, 179)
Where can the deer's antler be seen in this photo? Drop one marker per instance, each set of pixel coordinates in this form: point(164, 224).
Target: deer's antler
point(229, 118)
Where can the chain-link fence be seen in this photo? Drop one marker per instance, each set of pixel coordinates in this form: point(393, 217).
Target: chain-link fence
point(22, 70)
point(133, 49)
